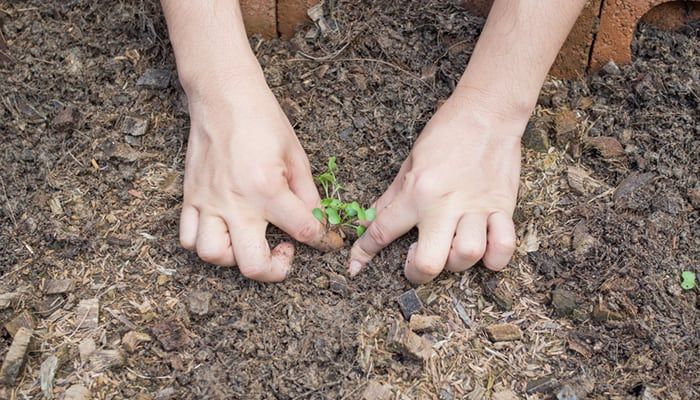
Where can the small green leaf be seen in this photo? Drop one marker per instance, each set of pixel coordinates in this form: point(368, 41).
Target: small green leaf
point(333, 217)
point(371, 214)
point(335, 203)
point(318, 213)
point(332, 164)
point(360, 230)
point(361, 214)
point(326, 202)
point(326, 178)
point(350, 211)
point(688, 280)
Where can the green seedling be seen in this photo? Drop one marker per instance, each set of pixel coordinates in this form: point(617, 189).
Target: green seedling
point(334, 210)
point(688, 280)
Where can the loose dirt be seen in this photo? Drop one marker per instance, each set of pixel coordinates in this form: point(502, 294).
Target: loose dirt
point(92, 154)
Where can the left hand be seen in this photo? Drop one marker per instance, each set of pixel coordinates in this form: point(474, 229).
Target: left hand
point(459, 186)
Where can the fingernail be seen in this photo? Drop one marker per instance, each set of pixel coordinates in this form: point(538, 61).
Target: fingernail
point(354, 268)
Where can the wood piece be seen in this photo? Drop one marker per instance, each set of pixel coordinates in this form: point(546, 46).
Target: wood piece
point(337, 284)
point(198, 302)
point(87, 315)
point(86, 347)
point(59, 286)
point(377, 391)
point(22, 320)
point(171, 335)
point(16, 357)
point(504, 332)
point(77, 392)
point(403, 340)
point(102, 360)
point(424, 323)
point(47, 372)
point(133, 339)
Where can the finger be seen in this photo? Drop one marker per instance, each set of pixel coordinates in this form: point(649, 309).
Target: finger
point(301, 182)
point(189, 221)
point(213, 241)
point(501, 241)
point(435, 236)
point(255, 261)
point(292, 215)
point(392, 221)
point(469, 244)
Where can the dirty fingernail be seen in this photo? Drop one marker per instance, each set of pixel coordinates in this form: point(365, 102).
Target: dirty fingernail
point(354, 268)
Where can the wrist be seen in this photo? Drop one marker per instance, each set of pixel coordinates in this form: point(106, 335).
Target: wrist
point(511, 108)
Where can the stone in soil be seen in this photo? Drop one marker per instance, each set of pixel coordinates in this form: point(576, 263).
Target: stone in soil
point(564, 302)
point(16, 357)
point(77, 392)
point(87, 315)
point(198, 302)
point(47, 372)
point(402, 340)
point(576, 389)
point(377, 391)
point(6, 299)
point(337, 284)
point(171, 334)
point(566, 126)
point(135, 126)
point(410, 303)
point(424, 323)
point(66, 119)
point(611, 68)
point(504, 332)
point(86, 347)
point(582, 241)
point(133, 339)
point(634, 192)
point(102, 360)
point(154, 78)
point(21, 320)
point(58, 286)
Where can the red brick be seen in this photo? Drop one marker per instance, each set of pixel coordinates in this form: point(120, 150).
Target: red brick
point(673, 15)
point(291, 15)
point(260, 17)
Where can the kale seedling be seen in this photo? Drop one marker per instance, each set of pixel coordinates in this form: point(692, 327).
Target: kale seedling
point(334, 210)
point(688, 280)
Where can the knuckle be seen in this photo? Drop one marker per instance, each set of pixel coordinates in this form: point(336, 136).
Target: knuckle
point(266, 181)
point(504, 243)
point(428, 266)
point(470, 250)
point(211, 253)
point(186, 242)
point(377, 231)
point(306, 232)
point(422, 185)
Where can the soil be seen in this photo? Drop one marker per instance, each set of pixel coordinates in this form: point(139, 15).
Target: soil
point(82, 199)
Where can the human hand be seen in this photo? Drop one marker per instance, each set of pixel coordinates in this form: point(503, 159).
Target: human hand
point(245, 168)
point(459, 187)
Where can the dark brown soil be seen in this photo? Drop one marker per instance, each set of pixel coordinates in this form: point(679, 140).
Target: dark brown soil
point(80, 199)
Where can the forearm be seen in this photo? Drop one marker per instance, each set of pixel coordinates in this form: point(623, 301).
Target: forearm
point(209, 41)
point(516, 48)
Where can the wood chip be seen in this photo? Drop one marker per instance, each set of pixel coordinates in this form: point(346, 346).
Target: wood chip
point(6, 299)
point(135, 126)
point(86, 347)
point(564, 302)
point(608, 147)
point(424, 323)
point(133, 339)
point(337, 284)
point(171, 335)
point(77, 392)
point(58, 286)
point(88, 314)
point(601, 313)
point(102, 360)
point(403, 340)
point(504, 332)
point(16, 357)
point(580, 181)
point(47, 372)
point(22, 320)
point(377, 391)
point(65, 119)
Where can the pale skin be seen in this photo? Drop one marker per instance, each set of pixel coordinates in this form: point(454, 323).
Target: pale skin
point(245, 167)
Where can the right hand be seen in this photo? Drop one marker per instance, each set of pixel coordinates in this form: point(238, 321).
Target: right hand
point(245, 168)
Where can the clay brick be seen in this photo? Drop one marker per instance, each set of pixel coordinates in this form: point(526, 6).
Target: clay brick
point(673, 15)
point(618, 22)
point(291, 15)
point(260, 17)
